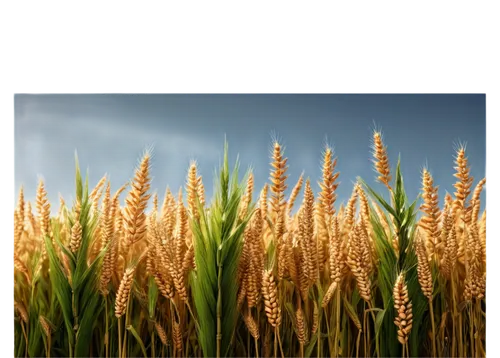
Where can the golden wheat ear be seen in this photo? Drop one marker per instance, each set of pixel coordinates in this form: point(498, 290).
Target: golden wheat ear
point(381, 160)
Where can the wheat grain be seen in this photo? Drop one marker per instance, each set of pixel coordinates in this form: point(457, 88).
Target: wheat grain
point(161, 333)
point(22, 311)
point(177, 336)
point(403, 307)
point(123, 293)
point(43, 209)
point(271, 303)
point(423, 268)
point(45, 326)
point(108, 242)
point(188, 262)
point(278, 180)
point(381, 161)
point(307, 243)
point(473, 263)
point(300, 326)
point(279, 232)
point(449, 259)
point(169, 214)
point(247, 198)
point(192, 190)
point(359, 260)
point(295, 192)
point(350, 212)
point(464, 182)
point(314, 327)
point(95, 194)
point(476, 202)
point(430, 221)
point(252, 326)
point(76, 230)
point(337, 250)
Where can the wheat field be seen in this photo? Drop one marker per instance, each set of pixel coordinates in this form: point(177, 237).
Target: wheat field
point(253, 272)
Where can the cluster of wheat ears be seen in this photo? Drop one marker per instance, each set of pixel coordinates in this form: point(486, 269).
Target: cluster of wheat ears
point(253, 274)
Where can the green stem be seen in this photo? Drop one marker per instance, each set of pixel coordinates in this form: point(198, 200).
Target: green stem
point(75, 315)
point(192, 314)
point(471, 330)
point(172, 318)
point(431, 312)
point(45, 346)
point(453, 320)
point(277, 332)
point(153, 344)
point(477, 320)
point(187, 339)
point(328, 331)
point(365, 330)
point(248, 344)
point(275, 342)
point(120, 337)
point(26, 339)
point(127, 308)
point(357, 343)
point(219, 303)
point(49, 339)
point(320, 317)
point(377, 347)
point(460, 334)
point(106, 334)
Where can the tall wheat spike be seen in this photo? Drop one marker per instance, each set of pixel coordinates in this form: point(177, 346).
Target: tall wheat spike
point(108, 242)
point(278, 180)
point(381, 161)
point(430, 221)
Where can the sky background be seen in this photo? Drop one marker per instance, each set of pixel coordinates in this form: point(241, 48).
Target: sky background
point(110, 133)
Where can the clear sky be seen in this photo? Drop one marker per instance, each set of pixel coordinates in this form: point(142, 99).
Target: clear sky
point(110, 132)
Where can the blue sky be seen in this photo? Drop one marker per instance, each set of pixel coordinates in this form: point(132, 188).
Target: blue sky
point(110, 132)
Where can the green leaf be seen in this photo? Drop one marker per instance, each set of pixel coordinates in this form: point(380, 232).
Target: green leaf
point(310, 346)
point(139, 340)
point(78, 176)
point(66, 251)
point(378, 322)
point(87, 323)
point(379, 198)
point(152, 297)
point(61, 287)
point(91, 271)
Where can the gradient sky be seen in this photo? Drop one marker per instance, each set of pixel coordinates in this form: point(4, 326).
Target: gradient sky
point(110, 132)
